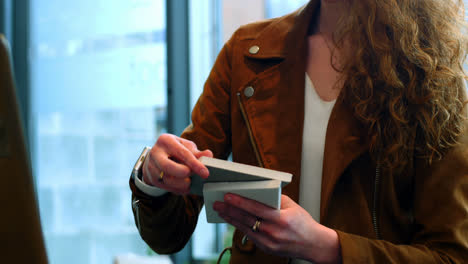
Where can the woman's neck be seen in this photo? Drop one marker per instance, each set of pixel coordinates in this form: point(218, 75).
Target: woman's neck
point(330, 13)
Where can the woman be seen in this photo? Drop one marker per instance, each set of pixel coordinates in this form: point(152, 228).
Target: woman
point(377, 147)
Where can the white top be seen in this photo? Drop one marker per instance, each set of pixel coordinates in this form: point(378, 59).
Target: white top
point(316, 115)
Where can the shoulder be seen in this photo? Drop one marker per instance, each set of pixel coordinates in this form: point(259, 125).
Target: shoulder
point(266, 27)
point(269, 37)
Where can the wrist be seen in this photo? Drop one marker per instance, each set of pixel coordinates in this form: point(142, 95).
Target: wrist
point(327, 248)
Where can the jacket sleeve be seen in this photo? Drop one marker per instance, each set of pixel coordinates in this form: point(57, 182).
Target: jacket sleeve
point(440, 215)
point(166, 223)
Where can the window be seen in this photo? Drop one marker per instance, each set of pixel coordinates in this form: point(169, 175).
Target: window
point(98, 71)
point(205, 25)
point(276, 8)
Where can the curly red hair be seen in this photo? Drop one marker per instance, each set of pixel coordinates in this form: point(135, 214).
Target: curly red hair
point(405, 78)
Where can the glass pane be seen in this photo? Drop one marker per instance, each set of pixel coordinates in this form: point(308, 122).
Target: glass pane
point(205, 28)
point(276, 8)
point(98, 97)
point(204, 47)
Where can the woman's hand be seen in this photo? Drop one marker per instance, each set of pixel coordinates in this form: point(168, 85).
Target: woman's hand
point(290, 231)
point(177, 159)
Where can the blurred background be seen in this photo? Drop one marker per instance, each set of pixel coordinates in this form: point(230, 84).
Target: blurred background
point(98, 80)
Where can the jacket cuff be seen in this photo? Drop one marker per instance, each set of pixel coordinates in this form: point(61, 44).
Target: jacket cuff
point(153, 203)
point(148, 189)
point(351, 250)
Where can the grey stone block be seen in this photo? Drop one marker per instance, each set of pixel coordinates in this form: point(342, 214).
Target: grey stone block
point(77, 122)
point(85, 207)
point(73, 248)
point(62, 159)
point(108, 154)
point(108, 123)
point(139, 122)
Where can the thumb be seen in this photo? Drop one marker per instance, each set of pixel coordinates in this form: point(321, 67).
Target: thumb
point(205, 153)
point(286, 202)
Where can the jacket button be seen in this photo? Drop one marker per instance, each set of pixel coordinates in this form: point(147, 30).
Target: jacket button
point(254, 49)
point(249, 91)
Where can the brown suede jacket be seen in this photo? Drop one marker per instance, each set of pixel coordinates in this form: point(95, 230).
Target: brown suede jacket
point(253, 106)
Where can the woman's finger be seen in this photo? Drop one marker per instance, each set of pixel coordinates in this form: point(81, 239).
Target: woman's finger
point(186, 157)
point(180, 184)
point(260, 238)
point(286, 202)
point(253, 207)
point(247, 221)
point(168, 180)
point(172, 148)
point(233, 212)
point(162, 161)
point(205, 153)
point(190, 145)
point(153, 167)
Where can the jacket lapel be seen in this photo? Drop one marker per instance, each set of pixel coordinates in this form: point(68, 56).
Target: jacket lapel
point(292, 92)
point(344, 143)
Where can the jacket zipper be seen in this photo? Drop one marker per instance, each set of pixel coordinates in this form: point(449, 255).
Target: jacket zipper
point(252, 141)
point(254, 146)
point(374, 206)
point(136, 207)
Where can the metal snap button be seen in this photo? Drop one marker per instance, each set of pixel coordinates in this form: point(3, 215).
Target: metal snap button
point(244, 240)
point(254, 49)
point(249, 91)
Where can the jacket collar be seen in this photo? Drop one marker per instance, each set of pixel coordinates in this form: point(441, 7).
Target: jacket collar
point(279, 39)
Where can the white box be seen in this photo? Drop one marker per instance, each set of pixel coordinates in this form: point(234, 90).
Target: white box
point(267, 192)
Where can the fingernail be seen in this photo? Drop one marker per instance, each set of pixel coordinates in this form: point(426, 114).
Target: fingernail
point(204, 172)
point(228, 197)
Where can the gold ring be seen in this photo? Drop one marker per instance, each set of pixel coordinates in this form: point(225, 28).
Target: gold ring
point(161, 175)
point(256, 226)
